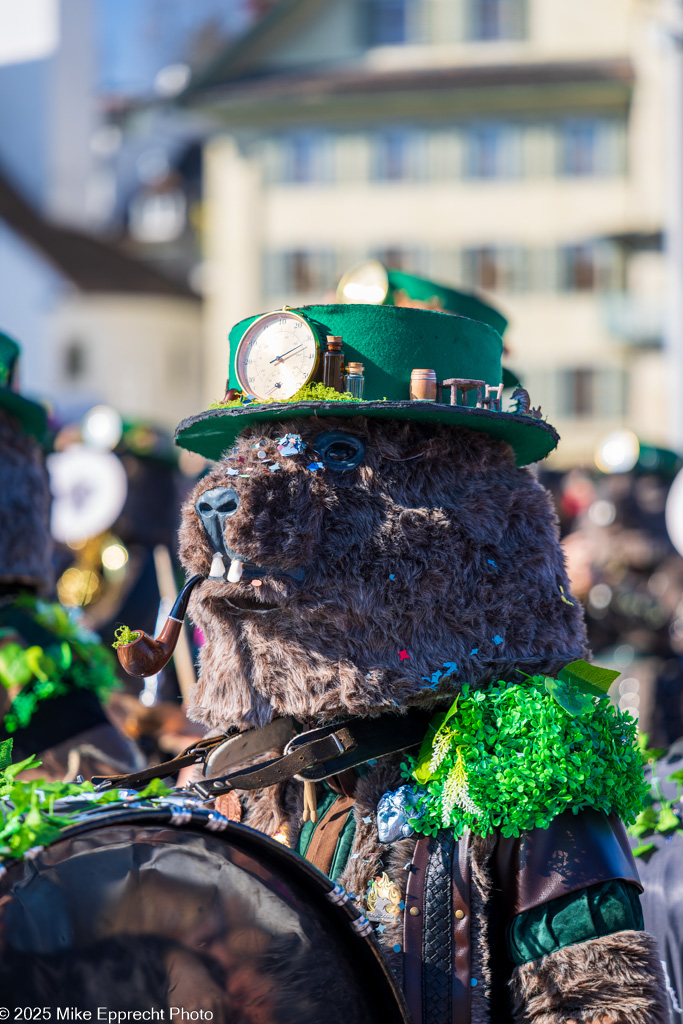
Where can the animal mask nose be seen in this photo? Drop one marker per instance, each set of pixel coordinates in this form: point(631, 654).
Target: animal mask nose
point(213, 508)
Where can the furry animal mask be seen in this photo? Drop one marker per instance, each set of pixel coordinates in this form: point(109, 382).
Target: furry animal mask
point(435, 562)
point(25, 544)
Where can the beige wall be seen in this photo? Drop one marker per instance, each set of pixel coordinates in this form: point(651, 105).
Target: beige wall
point(142, 354)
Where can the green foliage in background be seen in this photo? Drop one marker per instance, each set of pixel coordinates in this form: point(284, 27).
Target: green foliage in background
point(76, 659)
point(659, 816)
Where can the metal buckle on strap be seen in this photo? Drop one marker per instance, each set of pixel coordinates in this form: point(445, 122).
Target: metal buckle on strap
point(312, 749)
point(341, 749)
point(344, 742)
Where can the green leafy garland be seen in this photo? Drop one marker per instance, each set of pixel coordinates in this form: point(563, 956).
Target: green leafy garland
point(76, 659)
point(27, 809)
point(514, 756)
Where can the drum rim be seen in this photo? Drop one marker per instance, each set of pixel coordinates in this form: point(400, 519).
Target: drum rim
point(184, 815)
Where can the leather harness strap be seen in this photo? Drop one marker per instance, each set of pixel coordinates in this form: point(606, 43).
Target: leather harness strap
point(310, 756)
point(413, 920)
point(195, 754)
point(315, 751)
point(321, 848)
point(437, 966)
point(461, 973)
point(437, 960)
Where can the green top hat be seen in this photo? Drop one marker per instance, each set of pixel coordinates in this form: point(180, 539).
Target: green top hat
point(370, 281)
point(390, 341)
point(30, 415)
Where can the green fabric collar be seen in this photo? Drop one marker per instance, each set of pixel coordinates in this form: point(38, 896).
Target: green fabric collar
point(344, 845)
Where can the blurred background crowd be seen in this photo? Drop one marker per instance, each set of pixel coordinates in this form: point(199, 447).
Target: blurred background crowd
point(170, 166)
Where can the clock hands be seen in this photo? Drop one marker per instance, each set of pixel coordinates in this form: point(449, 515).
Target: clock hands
point(278, 385)
point(284, 355)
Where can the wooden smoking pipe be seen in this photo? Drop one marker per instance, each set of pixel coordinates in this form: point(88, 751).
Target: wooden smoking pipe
point(147, 656)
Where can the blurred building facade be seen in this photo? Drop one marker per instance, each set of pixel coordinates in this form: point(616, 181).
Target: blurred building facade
point(96, 324)
point(110, 330)
point(495, 144)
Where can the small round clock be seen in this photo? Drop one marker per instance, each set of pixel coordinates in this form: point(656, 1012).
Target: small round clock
point(277, 354)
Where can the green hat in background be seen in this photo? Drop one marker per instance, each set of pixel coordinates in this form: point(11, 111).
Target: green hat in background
point(371, 281)
point(390, 341)
point(31, 415)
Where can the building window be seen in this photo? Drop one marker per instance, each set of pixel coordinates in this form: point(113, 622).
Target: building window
point(591, 266)
point(577, 268)
point(399, 156)
point(74, 360)
point(496, 19)
point(388, 22)
point(592, 146)
point(495, 268)
point(585, 392)
point(579, 392)
point(299, 272)
point(579, 148)
point(494, 151)
point(308, 158)
point(302, 271)
point(412, 261)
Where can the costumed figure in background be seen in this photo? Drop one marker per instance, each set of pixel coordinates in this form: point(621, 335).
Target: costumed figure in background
point(385, 581)
point(54, 672)
point(657, 843)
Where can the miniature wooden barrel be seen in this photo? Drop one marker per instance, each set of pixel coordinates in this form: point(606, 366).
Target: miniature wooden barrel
point(423, 386)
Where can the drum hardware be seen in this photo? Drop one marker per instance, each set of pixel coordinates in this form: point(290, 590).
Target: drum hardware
point(186, 903)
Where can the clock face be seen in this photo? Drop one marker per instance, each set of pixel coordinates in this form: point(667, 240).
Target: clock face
point(276, 355)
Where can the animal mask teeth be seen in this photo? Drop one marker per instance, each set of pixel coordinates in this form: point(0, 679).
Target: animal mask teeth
point(217, 571)
point(235, 571)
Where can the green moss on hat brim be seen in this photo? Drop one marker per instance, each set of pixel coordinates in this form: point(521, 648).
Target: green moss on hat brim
point(213, 432)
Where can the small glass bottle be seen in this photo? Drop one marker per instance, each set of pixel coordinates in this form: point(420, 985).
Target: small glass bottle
point(333, 363)
point(354, 381)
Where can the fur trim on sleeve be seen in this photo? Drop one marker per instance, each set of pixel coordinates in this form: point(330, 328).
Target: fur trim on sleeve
point(616, 979)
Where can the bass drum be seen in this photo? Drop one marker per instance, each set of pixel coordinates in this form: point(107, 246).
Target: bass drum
point(169, 907)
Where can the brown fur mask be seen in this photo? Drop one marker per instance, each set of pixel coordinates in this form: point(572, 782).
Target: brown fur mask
point(25, 544)
point(438, 545)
